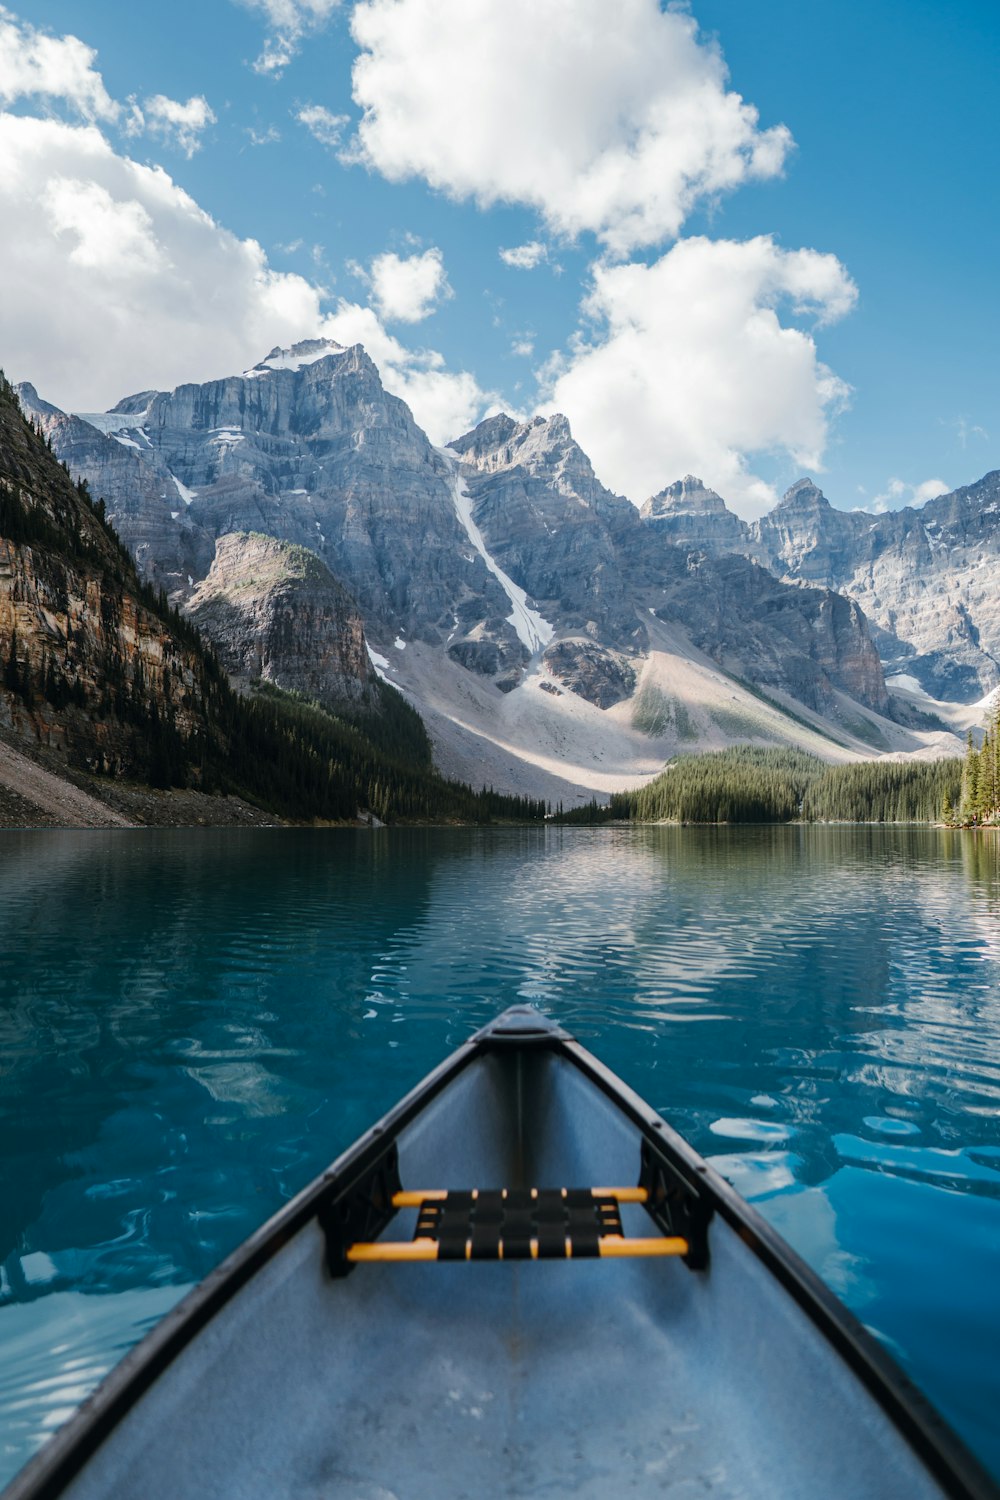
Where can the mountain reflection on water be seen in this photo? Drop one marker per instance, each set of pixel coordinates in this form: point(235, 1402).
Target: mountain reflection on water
point(193, 1023)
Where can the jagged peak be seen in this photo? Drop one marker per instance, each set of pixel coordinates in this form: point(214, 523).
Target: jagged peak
point(501, 442)
point(488, 434)
point(685, 495)
point(32, 403)
point(804, 492)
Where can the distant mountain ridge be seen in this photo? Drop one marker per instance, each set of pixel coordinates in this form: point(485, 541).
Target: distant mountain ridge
point(928, 579)
point(498, 568)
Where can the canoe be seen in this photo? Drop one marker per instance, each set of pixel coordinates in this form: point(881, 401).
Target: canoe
point(520, 1282)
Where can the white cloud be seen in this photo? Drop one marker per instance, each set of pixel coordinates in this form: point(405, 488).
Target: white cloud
point(898, 492)
point(289, 21)
point(115, 280)
point(101, 234)
point(321, 123)
point(177, 123)
point(525, 257)
point(618, 129)
point(263, 137)
point(523, 348)
point(691, 370)
point(966, 429)
point(444, 403)
point(407, 288)
point(35, 65)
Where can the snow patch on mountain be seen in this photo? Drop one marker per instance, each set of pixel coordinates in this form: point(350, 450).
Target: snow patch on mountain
point(186, 495)
point(533, 631)
point(124, 428)
point(306, 352)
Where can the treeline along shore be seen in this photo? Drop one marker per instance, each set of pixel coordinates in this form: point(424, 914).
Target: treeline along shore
point(753, 784)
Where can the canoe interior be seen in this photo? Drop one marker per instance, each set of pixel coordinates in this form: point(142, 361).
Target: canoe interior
point(590, 1378)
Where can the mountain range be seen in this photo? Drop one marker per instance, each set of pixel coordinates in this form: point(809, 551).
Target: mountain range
point(556, 639)
point(928, 579)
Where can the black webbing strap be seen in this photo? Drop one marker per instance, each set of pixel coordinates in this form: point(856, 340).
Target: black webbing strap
point(500, 1224)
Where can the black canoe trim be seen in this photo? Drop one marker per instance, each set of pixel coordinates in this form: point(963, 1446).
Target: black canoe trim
point(944, 1454)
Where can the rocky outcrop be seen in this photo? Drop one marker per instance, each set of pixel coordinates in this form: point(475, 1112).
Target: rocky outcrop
point(804, 536)
point(601, 676)
point(274, 612)
point(90, 668)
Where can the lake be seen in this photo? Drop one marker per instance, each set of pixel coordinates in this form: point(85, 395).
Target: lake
point(193, 1023)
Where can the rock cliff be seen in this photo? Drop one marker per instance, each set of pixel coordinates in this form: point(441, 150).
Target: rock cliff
point(595, 566)
point(274, 612)
point(93, 666)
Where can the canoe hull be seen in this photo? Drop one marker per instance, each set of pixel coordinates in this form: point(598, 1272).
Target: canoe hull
point(508, 1379)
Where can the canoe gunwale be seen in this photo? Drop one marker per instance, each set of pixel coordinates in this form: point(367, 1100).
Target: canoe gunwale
point(943, 1453)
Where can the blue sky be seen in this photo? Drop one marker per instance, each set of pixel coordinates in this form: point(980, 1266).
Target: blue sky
point(869, 363)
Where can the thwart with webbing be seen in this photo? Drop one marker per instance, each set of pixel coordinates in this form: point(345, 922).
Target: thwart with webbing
point(518, 1224)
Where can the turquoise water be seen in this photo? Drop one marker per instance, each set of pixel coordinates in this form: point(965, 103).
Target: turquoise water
point(193, 1023)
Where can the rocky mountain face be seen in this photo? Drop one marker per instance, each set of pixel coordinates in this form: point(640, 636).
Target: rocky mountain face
point(928, 579)
point(91, 667)
point(481, 572)
point(141, 495)
point(274, 612)
point(307, 447)
point(807, 642)
point(596, 566)
point(692, 516)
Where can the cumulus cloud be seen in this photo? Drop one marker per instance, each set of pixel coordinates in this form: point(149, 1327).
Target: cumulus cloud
point(525, 257)
point(689, 368)
point(289, 21)
point(898, 492)
point(407, 288)
point(444, 403)
point(35, 65)
point(620, 130)
point(115, 280)
point(179, 124)
point(323, 124)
